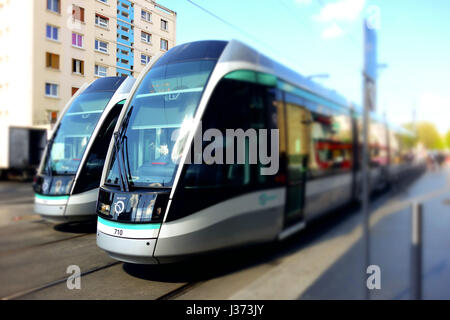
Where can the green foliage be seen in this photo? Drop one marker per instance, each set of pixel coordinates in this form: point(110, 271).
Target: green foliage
point(427, 134)
point(408, 141)
point(447, 139)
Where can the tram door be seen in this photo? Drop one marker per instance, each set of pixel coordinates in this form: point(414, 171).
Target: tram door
point(298, 121)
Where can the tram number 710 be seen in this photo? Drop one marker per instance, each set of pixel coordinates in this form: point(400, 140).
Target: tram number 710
point(118, 232)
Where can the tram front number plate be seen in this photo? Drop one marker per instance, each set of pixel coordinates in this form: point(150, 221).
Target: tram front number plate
point(131, 231)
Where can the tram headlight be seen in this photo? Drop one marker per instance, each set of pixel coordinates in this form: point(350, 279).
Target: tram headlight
point(104, 208)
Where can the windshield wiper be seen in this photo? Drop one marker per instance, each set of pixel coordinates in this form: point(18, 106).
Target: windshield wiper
point(49, 168)
point(123, 181)
point(127, 167)
point(49, 157)
point(49, 150)
point(119, 137)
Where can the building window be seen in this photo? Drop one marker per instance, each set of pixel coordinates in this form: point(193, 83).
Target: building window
point(74, 90)
point(77, 66)
point(78, 13)
point(52, 60)
point(164, 45)
point(52, 116)
point(51, 90)
point(101, 46)
point(146, 37)
point(125, 14)
point(145, 59)
point(54, 5)
point(145, 15)
point(52, 32)
point(77, 40)
point(164, 25)
point(101, 21)
point(124, 38)
point(101, 71)
point(104, 1)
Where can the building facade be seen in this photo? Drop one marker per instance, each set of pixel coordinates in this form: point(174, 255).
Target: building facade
point(49, 48)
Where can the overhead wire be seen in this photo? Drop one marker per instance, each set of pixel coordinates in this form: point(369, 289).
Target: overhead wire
point(237, 28)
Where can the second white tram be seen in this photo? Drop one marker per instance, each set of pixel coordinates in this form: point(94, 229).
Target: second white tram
point(67, 181)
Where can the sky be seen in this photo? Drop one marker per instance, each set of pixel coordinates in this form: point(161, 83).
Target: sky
point(326, 36)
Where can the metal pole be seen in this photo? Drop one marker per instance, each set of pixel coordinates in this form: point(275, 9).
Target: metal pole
point(416, 251)
point(369, 96)
point(365, 187)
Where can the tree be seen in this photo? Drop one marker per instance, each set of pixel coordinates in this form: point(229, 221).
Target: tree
point(447, 139)
point(409, 140)
point(429, 136)
point(426, 134)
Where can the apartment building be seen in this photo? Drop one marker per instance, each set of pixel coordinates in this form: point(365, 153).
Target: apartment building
point(49, 48)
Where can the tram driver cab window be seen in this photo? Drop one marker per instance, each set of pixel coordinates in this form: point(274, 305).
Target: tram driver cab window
point(92, 171)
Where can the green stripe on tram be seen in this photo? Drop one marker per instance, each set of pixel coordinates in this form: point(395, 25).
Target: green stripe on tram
point(114, 224)
point(253, 77)
point(284, 86)
point(272, 81)
point(40, 196)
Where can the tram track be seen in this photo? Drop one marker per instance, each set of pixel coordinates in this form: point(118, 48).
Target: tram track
point(18, 201)
point(41, 289)
point(179, 291)
point(56, 282)
point(37, 233)
point(172, 294)
point(15, 250)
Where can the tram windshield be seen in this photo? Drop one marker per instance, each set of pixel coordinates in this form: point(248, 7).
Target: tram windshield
point(74, 131)
point(157, 123)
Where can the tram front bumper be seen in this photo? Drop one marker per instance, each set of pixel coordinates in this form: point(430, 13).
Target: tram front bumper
point(133, 243)
point(79, 207)
point(50, 208)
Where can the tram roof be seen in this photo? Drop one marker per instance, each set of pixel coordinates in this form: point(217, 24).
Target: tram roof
point(105, 84)
point(236, 51)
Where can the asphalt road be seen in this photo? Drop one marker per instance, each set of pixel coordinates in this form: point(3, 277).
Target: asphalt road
point(324, 261)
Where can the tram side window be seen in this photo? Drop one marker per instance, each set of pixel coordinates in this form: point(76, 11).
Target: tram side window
point(332, 148)
point(234, 105)
point(298, 121)
point(378, 147)
point(92, 170)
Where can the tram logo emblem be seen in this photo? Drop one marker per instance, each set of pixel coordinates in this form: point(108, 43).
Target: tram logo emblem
point(264, 198)
point(45, 186)
point(119, 207)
